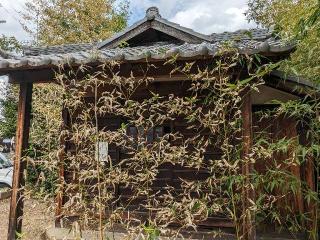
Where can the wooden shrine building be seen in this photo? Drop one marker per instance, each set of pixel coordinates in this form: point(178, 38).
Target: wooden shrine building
point(155, 39)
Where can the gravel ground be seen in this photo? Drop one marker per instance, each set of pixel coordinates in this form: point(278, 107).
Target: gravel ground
point(37, 217)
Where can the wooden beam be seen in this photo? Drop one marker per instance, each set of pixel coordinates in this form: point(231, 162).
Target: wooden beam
point(46, 75)
point(159, 70)
point(22, 138)
point(248, 229)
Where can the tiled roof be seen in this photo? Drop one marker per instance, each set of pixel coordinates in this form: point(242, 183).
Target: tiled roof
point(200, 45)
point(157, 51)
point(59, 49)
point(295, 79)
point(252, 34)
point(250, 37)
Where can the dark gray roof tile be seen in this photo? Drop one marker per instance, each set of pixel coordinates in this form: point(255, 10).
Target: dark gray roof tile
point(66, 48)
point(252, 34)
point(160, 51)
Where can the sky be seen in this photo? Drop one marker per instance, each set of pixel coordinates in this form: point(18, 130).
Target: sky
point(205, 16)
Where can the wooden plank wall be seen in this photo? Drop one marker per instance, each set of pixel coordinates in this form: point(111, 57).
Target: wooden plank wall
point(278, 129)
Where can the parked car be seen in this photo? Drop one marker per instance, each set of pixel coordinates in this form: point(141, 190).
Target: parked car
point(6, 172)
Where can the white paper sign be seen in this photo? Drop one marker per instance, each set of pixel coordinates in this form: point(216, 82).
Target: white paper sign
point(102, 151)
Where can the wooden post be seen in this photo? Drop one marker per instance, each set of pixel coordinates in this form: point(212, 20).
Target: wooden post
point(22, 138)
point(310, 179)
point(248, 221)
point(311, 207)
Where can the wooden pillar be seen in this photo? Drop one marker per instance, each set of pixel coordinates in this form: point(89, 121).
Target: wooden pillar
point(248, 229)
point(22, 138)
point(310, 179)
point(311, 207)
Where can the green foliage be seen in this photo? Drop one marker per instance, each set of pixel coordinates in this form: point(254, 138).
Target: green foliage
point(9, 109)
point(297, 21)
point(74, 21)
point(293, 20)
point(9, 93)
point(41, 178)
point(9, 43)
point(152, 232)
point(44, 139)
